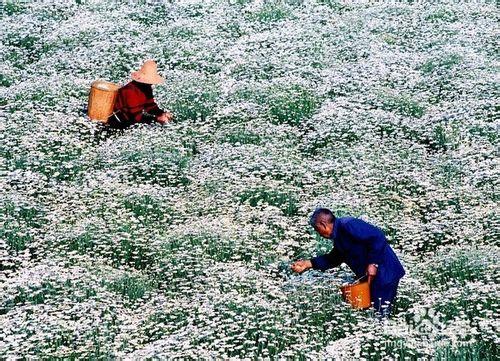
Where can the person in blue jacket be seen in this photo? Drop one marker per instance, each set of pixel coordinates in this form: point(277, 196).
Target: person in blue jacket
point(364, 248)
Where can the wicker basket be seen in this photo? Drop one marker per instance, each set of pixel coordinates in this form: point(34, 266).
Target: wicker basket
point(101, 100)
point(357, 294)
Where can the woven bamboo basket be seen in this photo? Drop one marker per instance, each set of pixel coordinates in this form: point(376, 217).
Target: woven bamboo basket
point(101, 100)
point(357, 294)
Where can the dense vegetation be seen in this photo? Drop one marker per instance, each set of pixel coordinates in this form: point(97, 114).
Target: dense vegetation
point(176, 240)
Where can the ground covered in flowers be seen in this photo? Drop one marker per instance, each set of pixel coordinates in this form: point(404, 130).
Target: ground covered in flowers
point(176, 240)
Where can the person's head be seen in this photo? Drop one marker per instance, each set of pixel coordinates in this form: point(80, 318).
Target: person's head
point(322, 220)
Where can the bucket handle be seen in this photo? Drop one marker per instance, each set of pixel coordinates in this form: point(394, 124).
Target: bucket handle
point(359, 279)
point(356, 281)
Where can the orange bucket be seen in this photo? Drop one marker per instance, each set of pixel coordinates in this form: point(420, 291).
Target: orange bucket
point(101, 100)
point(357, 294)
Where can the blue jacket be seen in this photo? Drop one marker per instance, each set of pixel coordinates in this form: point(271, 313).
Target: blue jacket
point(358, 244)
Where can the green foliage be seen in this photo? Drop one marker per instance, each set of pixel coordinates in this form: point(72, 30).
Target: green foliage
point(445, 136)
point(475, 351)
point(164, 323)
point(32, 216)
point(149, 18)
point(132, 253)
point(400, 185)
point(272, 12)
point(55, 159)
point(397, 347)
point(468, 307)
point(24, 49)
point(243, 137)
point(323, 245)
point(191, 220)
point(467, 265)
point(241, 2)
point(439, 137)
point(4, 81)
point(334, 4)
point(291, 104)
point(16, 237)
point(148, 209)
point(444, 63)
point(389, 39)
point(182, 32)
point(447, 15)
point(59, 14)
point(167, 168)
point(489, 223)
point(287, 202)
point(27, 42)
point(403, 104)
point(193, 10)
point(122, 63)
point(19, 224)
point(194, 101)
point(9, 8)
point(406, 299)
point(202, 246)
point(264, 338)
point(337, 136)
point(486, 132)
point(33, 294)
point(82, 243)
point(232, 29)
point(451, 173)
point(134, 288)
point(322, 308)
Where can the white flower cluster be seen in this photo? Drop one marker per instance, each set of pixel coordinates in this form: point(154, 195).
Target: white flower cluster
point(176, 240)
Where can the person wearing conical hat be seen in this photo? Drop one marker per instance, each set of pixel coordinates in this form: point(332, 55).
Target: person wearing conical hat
point(135, 101)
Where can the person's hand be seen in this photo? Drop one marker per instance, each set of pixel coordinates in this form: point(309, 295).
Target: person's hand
point(301, 265)
point(164, 117)
point(371, 271)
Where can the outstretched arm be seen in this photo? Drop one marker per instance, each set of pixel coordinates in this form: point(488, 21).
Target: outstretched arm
point(160, 115)
point(152, 108)
point(326, 261)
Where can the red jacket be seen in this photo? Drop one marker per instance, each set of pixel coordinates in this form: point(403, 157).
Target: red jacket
point(133, 100)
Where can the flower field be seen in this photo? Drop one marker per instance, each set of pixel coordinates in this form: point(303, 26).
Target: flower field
point(176, 240)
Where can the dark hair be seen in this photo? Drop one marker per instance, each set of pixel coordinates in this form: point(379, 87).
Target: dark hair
point(321, 214)
point(144, 87)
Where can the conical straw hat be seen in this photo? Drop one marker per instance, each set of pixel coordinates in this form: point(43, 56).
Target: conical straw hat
point(148, 73)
